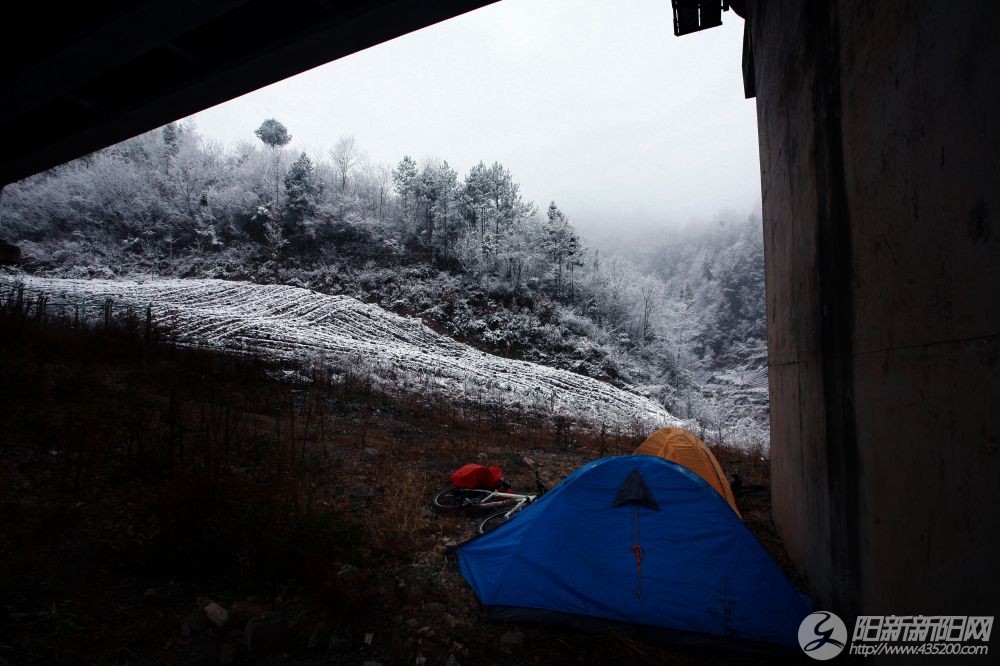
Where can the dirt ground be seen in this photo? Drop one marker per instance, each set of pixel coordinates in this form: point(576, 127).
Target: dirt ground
point(141, 484)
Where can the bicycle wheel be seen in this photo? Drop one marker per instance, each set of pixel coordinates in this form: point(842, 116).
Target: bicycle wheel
point(494, 520)
point(452, 499)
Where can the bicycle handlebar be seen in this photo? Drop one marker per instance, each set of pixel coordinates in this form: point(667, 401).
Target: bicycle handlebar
point(539, 484)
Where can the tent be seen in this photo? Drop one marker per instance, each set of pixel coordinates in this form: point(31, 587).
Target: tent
point(642, 546)
point(686, 449)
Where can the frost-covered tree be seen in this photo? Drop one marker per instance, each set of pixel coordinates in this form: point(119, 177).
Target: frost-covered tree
point(492, 207)
point(273, 133)
point(276, 136)
point(434, 192)
point(345, 156)
point(651, 301)
point(382, 177)
point(562, 244)
point(300, 193)
point(404, 180)
point(170, 135)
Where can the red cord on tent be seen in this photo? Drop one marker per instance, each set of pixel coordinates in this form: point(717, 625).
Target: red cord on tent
point(637, 549)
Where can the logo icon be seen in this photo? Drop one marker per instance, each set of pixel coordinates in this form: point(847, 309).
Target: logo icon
point(822, 635)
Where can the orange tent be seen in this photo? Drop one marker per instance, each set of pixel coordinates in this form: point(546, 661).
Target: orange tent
point(684, 448)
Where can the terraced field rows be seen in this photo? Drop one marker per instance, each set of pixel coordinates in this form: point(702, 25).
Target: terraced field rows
point(301, 326)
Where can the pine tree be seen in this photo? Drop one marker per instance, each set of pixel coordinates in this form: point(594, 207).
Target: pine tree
point(171, 136)
point(300, 192)
point(404, 179)
point(275, 135)
point(561, 244)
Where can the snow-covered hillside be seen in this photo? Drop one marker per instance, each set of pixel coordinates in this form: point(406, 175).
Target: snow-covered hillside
point(303, 327)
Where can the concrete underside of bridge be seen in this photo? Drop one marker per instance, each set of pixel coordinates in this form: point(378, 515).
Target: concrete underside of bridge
point(87, 75)
point(880, 169)
point(880, 172)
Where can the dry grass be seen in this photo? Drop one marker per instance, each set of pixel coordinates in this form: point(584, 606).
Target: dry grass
point(395, 519)
point(128, 463)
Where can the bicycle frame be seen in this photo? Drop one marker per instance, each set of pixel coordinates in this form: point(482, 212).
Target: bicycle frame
point(518, 505)
point(522, 500)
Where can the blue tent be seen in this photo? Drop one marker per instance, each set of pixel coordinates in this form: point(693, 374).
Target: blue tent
point(640, 545)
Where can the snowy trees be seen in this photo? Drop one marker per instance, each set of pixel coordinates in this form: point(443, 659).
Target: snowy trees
point(468, 252)
point(493, 210)
point(727, 290)
point(434, 192)
point(168, 194)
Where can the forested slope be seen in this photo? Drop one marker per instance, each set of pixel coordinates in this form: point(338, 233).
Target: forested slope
point(467, 254)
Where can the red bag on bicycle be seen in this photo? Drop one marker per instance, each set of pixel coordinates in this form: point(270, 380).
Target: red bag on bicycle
point(477, 476)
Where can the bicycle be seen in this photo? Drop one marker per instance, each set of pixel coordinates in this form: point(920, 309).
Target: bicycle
point(454, 499)
point(451, 498)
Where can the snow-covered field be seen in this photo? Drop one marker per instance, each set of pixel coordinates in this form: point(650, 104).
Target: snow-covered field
point(304, 328)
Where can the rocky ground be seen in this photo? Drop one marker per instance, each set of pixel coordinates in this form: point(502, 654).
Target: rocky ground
point(170, 506)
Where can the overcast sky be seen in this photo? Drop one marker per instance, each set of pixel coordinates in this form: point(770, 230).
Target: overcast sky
point(592, 103)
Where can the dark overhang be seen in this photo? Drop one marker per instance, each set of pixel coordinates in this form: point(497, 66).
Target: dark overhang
point(81, 76)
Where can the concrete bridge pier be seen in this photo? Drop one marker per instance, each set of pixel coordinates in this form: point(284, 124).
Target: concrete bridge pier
point(879, 127)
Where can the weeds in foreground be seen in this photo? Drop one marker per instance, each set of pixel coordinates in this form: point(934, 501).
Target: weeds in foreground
point(399, 501)
point(224, 472)
point(127, 461)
